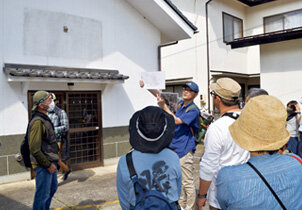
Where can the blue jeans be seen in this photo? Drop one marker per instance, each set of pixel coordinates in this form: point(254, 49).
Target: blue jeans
point(46, 186)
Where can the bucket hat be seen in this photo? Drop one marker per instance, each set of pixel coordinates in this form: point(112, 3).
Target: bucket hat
point(226, 88)
point(39, 97)
point(151, 130)
point(261, 125)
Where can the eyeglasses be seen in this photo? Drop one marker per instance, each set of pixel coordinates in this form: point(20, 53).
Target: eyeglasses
point(212, 93)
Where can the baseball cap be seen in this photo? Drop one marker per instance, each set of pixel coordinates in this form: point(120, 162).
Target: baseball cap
point(193, 86)
point(39, 97)
point(226, 88)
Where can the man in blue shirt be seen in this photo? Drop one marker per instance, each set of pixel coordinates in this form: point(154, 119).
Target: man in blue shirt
point(261, 130)
point(183, 143)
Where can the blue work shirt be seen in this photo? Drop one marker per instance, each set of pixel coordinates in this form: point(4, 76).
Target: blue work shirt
point(183, 141)
point(240, 187)
point(159, 172)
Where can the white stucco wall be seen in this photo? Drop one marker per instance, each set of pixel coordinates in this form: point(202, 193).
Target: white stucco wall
point(127, 42)
point(188, 59)
point(255, 15)
point(281, 69)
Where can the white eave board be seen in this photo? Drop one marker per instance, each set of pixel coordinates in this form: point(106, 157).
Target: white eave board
point(162, 16)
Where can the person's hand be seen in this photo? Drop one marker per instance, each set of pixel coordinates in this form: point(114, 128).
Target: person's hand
point(160, 101)
point(201, 202)
point(141, 83)
point(52, 168)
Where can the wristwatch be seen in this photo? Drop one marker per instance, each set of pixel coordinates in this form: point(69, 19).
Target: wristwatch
point(202, 196)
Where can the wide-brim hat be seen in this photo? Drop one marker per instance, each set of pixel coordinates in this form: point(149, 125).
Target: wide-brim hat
point(151, 130)
point(226, 88)
point(261, 125)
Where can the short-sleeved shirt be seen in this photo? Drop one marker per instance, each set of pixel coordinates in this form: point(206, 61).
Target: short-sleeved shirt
point(220, 150)
point(240, 187)
point(159, 172)
point(292, 126)
point(183, 141)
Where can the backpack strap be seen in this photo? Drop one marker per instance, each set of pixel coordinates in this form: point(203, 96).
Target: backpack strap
point(267, 184)
point(233, 115)
point(130, 165)
point(192, 106)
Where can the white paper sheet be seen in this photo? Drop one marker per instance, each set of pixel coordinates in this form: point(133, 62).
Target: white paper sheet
point(154, 80)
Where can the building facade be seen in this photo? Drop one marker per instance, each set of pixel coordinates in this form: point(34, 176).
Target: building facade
point(223, 47)
point(91, 55)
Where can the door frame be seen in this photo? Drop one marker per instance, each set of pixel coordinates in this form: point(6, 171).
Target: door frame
point(99, 107)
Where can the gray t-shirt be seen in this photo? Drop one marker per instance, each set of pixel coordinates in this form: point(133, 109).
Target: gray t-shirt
point(292, 126)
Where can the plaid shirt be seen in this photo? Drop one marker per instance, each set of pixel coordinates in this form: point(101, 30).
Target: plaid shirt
point(60, 121)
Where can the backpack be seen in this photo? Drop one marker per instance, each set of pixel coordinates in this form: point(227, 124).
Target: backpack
point(204, 120)
point(24, 150)
point(145, 198)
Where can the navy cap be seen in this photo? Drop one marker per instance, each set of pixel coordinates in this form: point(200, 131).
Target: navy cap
point(193, 86)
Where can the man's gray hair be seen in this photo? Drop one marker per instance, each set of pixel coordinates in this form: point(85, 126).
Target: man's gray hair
point(253, 92)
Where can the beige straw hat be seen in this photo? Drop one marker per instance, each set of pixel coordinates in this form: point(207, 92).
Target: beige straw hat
point(261, 125)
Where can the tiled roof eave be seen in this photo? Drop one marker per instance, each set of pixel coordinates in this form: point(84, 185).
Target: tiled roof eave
point(48, 72)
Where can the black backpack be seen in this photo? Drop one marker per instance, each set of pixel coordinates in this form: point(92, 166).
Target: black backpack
point(24, 149)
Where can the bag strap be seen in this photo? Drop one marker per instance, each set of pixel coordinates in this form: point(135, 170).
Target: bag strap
point(231, 115)
point(298, 159)
point(267, 184)
point(130, 165)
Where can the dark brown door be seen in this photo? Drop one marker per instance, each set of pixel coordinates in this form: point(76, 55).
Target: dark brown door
point(85, 126)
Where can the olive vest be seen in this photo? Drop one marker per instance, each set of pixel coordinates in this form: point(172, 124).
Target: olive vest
point(49, 143)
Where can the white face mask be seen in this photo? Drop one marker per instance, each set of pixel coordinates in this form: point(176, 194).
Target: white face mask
point(51, 106)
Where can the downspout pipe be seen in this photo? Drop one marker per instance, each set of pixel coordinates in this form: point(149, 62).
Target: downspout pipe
point(159, 52)
point(208, 54)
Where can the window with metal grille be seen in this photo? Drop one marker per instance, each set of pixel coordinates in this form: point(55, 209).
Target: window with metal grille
point(85, 134)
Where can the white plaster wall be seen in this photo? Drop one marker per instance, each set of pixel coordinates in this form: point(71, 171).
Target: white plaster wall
point(254, 25)
point(222, 57)
point(189, 57)
point(129, 44)
point(255, 15)
point(281, 69)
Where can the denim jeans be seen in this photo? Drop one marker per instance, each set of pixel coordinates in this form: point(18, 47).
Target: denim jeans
point(46, 186)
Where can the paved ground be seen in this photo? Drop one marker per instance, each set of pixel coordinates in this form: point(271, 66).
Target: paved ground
point(86, 189)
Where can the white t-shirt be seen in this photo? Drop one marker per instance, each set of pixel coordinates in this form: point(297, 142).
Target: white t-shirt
point(292, 126)
point(220, 151)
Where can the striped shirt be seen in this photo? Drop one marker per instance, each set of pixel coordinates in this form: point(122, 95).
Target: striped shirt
point(239, 187)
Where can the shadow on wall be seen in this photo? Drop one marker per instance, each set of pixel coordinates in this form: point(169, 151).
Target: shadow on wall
point(7, 203)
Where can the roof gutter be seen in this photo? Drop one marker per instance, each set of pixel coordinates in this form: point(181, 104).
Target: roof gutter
point(208, 53)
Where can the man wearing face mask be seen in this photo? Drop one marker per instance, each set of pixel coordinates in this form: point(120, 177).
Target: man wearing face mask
point(44, 150)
